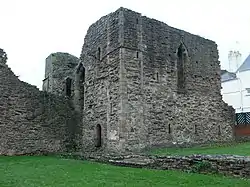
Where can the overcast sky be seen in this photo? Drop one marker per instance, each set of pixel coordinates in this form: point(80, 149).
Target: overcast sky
point(32, 29)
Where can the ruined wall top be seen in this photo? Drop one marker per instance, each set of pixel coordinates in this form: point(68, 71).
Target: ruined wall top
point(65, 56)
point(3, 57)
point(58, 67)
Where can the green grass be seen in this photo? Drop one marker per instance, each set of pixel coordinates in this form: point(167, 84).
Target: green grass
point(234, 149)
point(44, 171)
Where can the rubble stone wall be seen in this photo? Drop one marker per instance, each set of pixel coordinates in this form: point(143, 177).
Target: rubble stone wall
point(158, 112)
point(100, 57)
point(232, 165)
point(32, 121)
point(133, 80)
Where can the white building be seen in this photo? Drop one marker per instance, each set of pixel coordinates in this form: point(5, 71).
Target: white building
point(236, 87)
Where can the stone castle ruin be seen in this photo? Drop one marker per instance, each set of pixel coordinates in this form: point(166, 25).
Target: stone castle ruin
point(139, 83)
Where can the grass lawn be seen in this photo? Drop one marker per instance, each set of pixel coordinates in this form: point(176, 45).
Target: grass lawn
point(235, 149)
point(44, 171)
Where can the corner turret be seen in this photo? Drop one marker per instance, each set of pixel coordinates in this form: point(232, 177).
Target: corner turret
point(59, 73)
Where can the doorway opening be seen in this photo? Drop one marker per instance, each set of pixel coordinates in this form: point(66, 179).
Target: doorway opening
point(98, 136)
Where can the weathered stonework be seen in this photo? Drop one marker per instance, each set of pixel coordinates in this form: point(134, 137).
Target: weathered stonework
point(148, 84)
point(31, 121)
point(59, 67)
point(237, 166)
point(139, 83)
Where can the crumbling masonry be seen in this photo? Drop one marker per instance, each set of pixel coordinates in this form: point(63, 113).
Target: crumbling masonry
point(139, 83)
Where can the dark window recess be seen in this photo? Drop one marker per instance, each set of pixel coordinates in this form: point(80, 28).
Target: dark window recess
point(98, 136)
point(219, 130)
point(68, 86)
point(80, 71)
point(132, 129)
point(157, 76)
point(137, 54)
point(137, 20)
point(99, 53)
point(169, 129)
point(181, 54)
point(82, 75)
point(195, 129)
point(111, 108)
point(79, 84)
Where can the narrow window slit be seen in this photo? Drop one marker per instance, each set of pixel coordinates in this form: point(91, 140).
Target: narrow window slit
point(68, 87)
point(219, 130)
point(182, 57)
point(99, 53)
point(111, 108)
point(195, 129)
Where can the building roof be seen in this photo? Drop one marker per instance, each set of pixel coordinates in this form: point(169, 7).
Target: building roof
point(245, 65)
point(227, 76)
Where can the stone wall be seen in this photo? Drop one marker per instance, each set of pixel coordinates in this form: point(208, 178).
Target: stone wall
point(100, 57)
point(132, 85)
point(155, 106)
point(139, 83)
point(32, 121)
point(237, 166)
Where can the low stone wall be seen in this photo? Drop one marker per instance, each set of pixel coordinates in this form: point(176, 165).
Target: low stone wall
point(232, 165)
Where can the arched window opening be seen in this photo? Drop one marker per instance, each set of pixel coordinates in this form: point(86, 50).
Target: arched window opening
point(182, 57)
point(68, 86)
point(82, 75)
point(79, 85)
point(99, 53)
point(98, 136)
